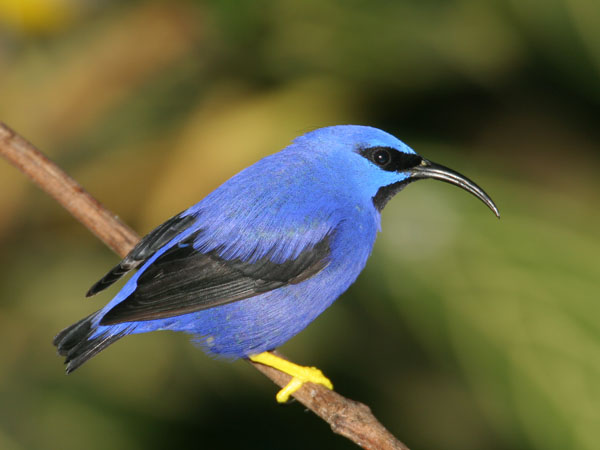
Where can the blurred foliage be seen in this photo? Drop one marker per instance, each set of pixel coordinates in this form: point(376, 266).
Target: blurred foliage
point(463, 332)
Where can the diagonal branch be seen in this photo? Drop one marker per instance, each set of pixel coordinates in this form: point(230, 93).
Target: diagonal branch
point(347, 417)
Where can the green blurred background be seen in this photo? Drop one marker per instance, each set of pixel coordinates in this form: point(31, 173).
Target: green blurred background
point(464, 332)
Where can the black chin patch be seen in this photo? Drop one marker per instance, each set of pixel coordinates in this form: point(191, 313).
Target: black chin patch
point(385, 193)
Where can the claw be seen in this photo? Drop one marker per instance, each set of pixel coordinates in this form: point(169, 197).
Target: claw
point(300, 374)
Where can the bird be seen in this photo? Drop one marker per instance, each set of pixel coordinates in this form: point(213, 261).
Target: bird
point(260, 257)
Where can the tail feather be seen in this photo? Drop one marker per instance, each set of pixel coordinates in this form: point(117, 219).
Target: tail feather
point(76, 344)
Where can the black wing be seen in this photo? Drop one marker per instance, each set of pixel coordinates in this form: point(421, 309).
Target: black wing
point(147, 246)
point(183, 280)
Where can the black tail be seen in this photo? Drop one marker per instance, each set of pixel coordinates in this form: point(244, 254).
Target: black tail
point(75, 345)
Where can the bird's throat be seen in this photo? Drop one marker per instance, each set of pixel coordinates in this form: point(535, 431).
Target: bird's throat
point(385, 193)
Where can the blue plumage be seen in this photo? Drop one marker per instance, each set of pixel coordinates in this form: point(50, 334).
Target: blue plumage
point(259, 258)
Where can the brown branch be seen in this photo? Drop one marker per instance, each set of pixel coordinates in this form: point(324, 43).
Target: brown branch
point(351, 419)
point(66, 191)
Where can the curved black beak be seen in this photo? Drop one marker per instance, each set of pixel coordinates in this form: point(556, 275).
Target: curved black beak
point(428, 169)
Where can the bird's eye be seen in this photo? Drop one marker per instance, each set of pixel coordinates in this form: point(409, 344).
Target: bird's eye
point(382, 157)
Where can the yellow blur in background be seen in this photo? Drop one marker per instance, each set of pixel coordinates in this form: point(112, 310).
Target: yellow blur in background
point(37, 16)
point(463, 332)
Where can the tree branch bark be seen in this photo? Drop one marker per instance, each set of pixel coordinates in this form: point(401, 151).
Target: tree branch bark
point(346, 417)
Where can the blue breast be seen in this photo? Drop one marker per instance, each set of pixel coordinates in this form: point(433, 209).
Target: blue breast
point(267, 321)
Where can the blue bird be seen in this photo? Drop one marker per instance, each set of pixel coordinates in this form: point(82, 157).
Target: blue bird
point(264, 254)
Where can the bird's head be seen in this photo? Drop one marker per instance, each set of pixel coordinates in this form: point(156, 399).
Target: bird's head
point(381, 164)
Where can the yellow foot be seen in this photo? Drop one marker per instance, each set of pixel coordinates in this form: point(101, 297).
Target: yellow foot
point(300, 374)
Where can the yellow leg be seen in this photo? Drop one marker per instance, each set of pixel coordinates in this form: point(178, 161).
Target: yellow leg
point(300, 374)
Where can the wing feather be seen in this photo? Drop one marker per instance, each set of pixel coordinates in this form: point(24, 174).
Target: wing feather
point(147, 246)
point(184, 280)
